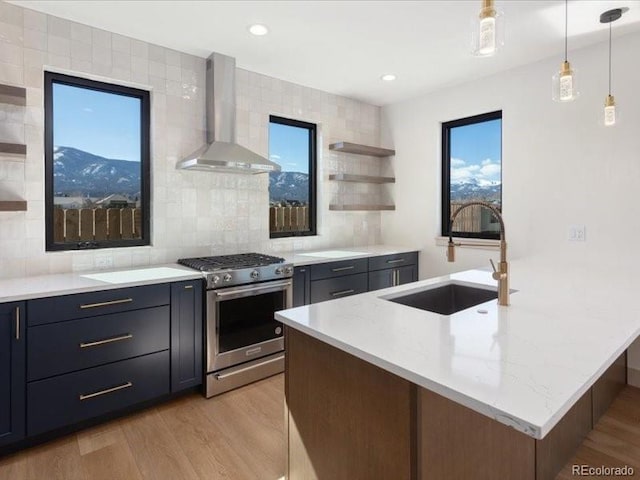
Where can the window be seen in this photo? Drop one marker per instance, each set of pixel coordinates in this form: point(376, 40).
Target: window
point(96, 164)
point(292, 191)
point(472, 170)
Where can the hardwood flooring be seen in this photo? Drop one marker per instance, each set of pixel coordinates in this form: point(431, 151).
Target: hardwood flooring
point(240, 435)
point(614, 441)
point(236, 436)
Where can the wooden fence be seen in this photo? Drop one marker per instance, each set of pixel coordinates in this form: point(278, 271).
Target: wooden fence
point(88, 224)
point(288, 219)
point(471, 219)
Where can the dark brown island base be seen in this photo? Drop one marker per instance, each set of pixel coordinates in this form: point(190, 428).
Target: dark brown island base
point(348, 420)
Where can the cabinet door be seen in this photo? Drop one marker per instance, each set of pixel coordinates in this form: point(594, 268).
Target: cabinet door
point(186, 335)
point(12, 372)
point(301, 286)
point(407, 274)
point(392, 277)
point(381, 279)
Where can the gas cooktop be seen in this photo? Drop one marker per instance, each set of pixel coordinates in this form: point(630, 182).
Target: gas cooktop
point(230, 262)
point(228, 270)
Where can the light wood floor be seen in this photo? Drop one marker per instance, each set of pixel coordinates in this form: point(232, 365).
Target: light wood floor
point(240, 435)
point(615, 440)
point(235, 436)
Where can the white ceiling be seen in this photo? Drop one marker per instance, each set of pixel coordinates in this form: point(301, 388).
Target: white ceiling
point(344, 47)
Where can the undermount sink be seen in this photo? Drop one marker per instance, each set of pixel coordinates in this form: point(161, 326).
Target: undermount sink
point(447, 299)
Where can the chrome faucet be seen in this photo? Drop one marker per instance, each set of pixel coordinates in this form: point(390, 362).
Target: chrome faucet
point(501, 274)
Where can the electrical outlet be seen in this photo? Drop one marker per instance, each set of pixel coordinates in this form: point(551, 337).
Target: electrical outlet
point(104, 262)
point(577, 233)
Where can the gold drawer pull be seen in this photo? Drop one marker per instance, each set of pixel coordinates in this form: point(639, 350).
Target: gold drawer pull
point(187, 287)
point(104, 304)
point(104, 392)
point(342, 292)
point(106, 341)
point(17, 323)
point(342, 269)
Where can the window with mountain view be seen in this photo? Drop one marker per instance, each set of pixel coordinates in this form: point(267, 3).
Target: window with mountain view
point(96, 164)
point(292, 201)
point(472, 171)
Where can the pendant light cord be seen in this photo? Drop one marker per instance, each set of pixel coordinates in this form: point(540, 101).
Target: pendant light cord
point(610, 58)
point(566, 27)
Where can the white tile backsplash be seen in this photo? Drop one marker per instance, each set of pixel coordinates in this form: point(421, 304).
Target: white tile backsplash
point(193, 213)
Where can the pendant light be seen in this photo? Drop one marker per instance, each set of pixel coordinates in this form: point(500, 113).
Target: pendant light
point(563, 86)
point(610, 114)
point(487, 30)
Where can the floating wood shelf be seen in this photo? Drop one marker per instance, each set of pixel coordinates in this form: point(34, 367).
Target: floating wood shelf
point(345, 177)
point(358, 149)
point(353, 208)
point(13, 206)
point(13, 148)
point(13, 95)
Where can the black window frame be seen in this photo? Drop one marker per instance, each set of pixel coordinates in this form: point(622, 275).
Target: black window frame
point(446, 172)
point(51, 78)
point(312, 128)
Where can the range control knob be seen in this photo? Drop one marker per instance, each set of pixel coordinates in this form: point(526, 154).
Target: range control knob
point(215, 279)
point(288, 270)
point(279, 271)
point(227, 277)
point(255, 274)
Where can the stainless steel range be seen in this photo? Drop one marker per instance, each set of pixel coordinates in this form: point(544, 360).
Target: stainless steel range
point(244, 342)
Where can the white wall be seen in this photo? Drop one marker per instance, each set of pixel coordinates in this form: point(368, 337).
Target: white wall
point(193, 213)
point(560, 167)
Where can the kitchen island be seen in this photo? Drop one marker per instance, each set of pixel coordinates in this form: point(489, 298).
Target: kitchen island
point(376, 389)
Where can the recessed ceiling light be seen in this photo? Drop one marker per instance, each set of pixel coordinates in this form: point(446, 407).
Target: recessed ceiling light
point(388, 77)
point(258, 30)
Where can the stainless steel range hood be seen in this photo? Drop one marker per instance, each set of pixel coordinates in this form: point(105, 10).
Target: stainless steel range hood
point(222, 153)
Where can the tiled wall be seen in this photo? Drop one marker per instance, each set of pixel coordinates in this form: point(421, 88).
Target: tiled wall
point(193, 213)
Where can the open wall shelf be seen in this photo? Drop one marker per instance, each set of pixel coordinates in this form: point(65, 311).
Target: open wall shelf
point(13, 206)
point(358, 149)
point(13, 148)
point(13, 95)
point(345, 177)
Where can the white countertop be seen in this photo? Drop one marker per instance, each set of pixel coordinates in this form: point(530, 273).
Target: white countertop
point(524, 365)
point(335, 254)
point(25, 288)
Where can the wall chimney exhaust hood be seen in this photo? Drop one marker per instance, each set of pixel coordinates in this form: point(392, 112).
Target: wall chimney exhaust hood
point(222, 153)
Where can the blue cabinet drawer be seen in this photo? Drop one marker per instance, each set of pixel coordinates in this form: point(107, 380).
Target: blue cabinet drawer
point(68, 307)
point(332, 288)
point(64, 347)
point(337, 269)
point(393, 261)
point(71, 398)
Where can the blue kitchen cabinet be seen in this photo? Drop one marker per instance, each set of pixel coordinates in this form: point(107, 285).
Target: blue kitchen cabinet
point(12, 372)
point(186, 335)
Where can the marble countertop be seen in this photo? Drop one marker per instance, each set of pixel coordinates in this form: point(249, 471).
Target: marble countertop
point(25, 288)
point(524, 365)
point(336, 254)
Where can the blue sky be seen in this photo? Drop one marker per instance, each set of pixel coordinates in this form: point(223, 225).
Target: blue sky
point(103, 124)
point(289, 147)
point(476, 152)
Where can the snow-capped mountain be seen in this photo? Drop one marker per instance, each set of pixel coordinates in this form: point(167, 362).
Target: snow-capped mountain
point(76, 172)
point(289, 186)
point(473, 190)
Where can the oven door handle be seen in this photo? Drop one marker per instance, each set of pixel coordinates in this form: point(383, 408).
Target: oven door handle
point(246, 291)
